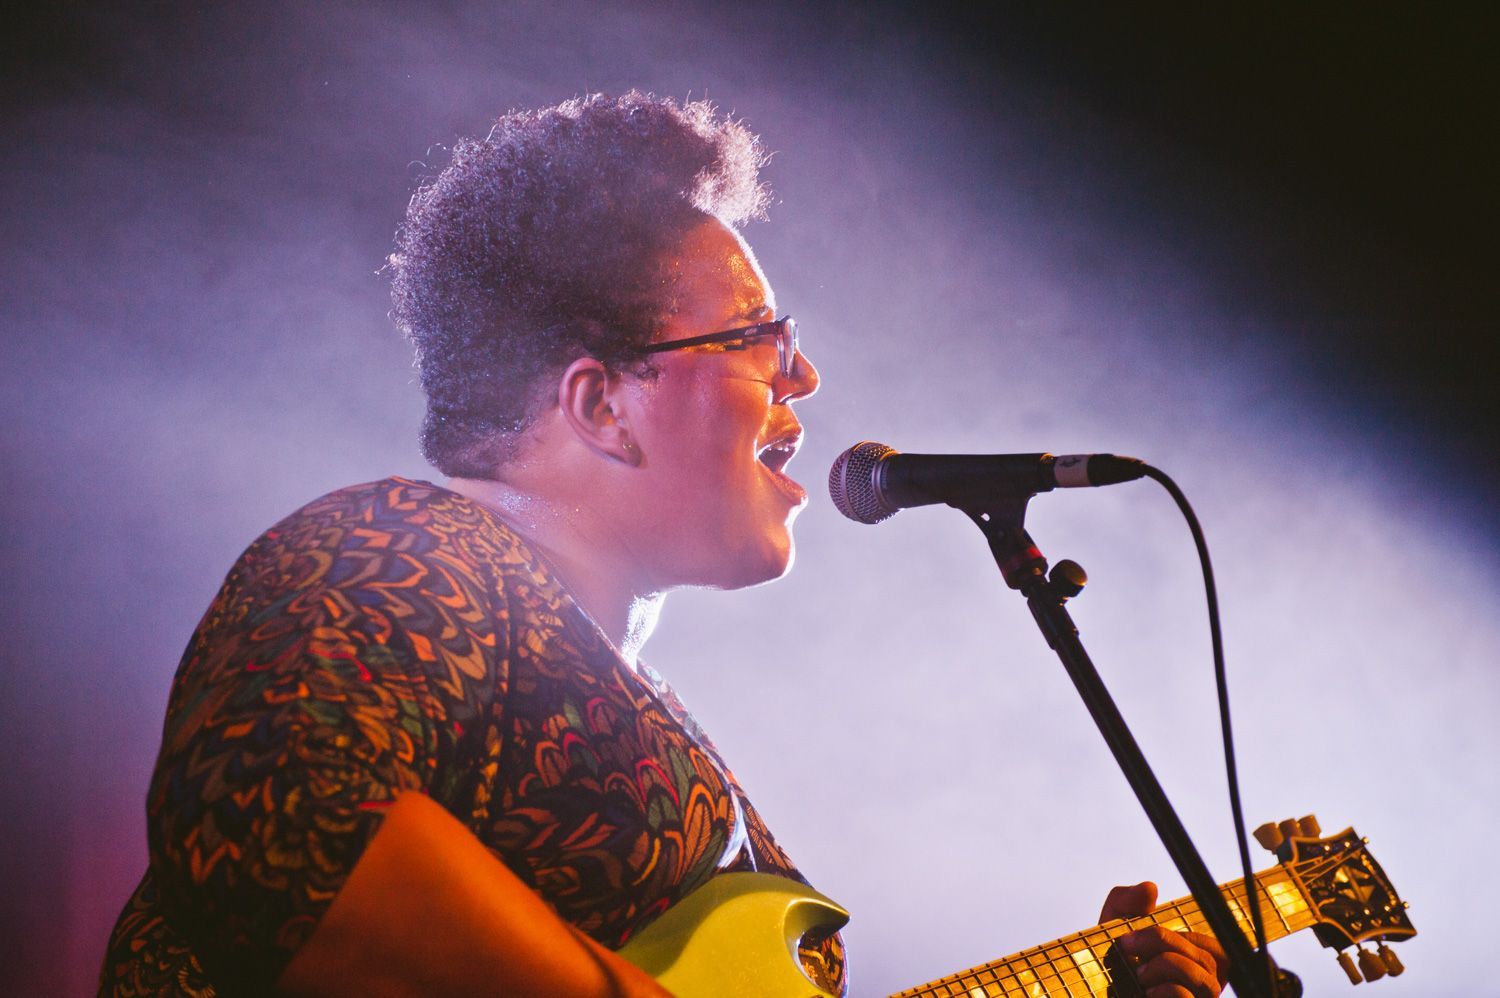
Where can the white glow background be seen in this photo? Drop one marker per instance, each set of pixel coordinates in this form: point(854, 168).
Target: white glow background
point(196, 343)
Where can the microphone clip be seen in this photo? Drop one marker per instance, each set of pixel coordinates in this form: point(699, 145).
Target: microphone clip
point(1002, 520)
point(1022, 564)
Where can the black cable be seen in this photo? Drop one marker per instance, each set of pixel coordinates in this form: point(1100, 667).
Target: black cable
point(1221, 680)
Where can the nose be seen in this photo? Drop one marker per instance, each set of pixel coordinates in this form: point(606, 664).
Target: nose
point(802, 382)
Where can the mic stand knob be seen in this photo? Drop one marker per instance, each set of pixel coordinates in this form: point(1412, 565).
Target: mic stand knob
point(1067, 579)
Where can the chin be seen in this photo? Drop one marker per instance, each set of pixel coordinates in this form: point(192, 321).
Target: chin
point(781, 567)
point(758, 566)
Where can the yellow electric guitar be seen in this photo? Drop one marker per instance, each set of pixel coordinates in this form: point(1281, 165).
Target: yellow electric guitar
point(737, 935)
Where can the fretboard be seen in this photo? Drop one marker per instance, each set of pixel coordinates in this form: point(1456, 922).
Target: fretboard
point(1080, 965)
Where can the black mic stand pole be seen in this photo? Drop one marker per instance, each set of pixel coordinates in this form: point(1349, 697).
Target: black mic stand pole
point(1002, 519)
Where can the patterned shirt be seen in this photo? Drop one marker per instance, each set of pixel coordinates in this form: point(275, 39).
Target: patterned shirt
point(395, 637)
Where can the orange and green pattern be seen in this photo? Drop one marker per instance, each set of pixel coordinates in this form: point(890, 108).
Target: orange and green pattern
point(395, 637)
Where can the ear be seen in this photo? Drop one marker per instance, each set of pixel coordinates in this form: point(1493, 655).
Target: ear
point(591, 403)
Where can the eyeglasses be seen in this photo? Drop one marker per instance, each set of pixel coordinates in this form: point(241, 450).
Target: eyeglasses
point(784, 329)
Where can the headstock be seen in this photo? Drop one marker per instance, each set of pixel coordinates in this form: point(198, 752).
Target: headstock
point(1347, 892)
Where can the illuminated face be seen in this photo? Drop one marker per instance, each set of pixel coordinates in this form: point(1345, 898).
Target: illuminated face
point(715, 428)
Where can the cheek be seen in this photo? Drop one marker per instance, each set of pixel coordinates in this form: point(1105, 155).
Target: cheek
point(709, 427)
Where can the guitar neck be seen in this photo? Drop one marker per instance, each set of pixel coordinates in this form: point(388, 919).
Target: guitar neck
point(1082, 966)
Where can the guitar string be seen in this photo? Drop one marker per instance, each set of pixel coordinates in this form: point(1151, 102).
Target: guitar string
point(1291, 874)
point(1056, 955)
point(1183, 910)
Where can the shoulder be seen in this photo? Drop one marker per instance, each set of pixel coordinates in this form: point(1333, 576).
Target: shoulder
point(395, 576)
point(392, 514)
point(382, 537)
point(377, 601)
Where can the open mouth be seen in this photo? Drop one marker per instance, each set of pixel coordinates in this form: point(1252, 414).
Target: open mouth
point(775, 454)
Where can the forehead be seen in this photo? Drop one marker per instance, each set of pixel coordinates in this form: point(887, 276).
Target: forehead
point(718, 281)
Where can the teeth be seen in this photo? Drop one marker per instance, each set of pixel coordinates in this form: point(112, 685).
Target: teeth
point(778, 453)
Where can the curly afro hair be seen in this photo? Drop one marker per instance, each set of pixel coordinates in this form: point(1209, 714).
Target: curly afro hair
point(546, 241)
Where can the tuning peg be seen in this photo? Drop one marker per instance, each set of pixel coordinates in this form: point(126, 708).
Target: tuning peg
point(1289, 828)
point(1371, 965)
point(1310, 826)
point(1347, 962)
point(1391, 961)
point(1269, 836)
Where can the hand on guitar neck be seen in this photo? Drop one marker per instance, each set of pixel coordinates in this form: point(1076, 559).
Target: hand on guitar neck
point(1167, 963)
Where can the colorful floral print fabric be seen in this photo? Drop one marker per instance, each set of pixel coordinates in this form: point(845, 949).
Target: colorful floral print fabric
point(395, 637)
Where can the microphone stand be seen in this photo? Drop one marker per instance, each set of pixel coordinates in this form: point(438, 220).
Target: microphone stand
point(1002, 520)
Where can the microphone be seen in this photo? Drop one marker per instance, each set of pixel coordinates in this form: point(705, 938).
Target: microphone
point(871, 482)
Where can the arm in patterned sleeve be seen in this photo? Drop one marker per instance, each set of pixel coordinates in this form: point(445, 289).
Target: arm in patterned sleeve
point(343, 661)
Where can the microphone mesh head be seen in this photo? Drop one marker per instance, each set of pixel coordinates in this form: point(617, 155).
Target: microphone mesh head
point(851, 483)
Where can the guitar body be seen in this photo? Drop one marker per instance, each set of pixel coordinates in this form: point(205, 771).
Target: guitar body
point(736, 937)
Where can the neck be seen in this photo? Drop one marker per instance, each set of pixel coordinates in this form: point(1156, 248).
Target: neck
point(1085, 964)
point(589, 558)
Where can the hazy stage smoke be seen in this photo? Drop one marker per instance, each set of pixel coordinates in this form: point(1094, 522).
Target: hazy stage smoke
point(197, 343)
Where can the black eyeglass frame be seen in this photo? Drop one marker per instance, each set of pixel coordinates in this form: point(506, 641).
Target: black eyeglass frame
point(784, 329)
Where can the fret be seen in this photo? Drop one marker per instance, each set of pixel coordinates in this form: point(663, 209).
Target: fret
point(979, 988)
point(994, 986)
point(970, 983)
point(1234, 899)
point(1181, 915)
point(1031, 980)
point(1065, 970)
point(1062, 965)
point(1274, 909)
point(1286, 900)
point(1059, 965)
point(1030, 986)
point(1172, 916)
point(1095, 977)
point(1255, 895)
point(1099, 942)
point(1074, 966)
point(1014, 986)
